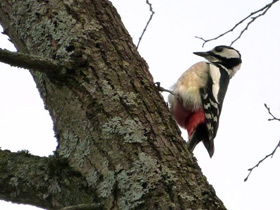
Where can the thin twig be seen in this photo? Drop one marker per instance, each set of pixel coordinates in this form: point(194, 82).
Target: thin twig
point(151, 16)
point(253, 18)
point(271, 154)
point(269, 112)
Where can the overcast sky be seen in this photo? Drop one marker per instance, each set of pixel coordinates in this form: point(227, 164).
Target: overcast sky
point(245, 135)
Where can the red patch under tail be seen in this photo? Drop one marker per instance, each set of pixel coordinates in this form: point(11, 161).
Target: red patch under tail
point(193, 120)
point(188, 119)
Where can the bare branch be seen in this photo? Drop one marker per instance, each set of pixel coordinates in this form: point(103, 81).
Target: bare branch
point(27, 61)
point(22, 175)
point(269, 112)
point(151, 16)
point(270, 155)
point(82, 207)
point(253, 16)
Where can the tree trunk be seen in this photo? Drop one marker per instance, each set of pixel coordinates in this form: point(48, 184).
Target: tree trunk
point(118, 146)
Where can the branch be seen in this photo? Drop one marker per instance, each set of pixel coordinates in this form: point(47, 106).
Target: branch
point(271, 154)
point(253, 18)
point(83, 207)
point(269, 112)
point(152, 13)
point(30, 62)
point(40, 181)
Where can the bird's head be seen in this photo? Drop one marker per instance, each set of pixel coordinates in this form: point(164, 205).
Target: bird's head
point(225, 56)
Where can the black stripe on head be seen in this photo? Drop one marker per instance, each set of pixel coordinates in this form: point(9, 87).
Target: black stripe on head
point(229, 63)
point(221, 47)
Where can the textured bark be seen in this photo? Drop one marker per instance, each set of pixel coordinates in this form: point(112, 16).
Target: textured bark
point(118, 147)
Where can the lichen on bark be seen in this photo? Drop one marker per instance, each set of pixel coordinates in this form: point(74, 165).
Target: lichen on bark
point(118, 146)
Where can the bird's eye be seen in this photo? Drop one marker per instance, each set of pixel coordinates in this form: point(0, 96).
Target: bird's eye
point(218, 49)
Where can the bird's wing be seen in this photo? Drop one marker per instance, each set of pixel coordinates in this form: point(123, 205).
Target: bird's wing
point(212, 97)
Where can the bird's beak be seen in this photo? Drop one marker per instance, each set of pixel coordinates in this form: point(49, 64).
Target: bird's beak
point(202, 54)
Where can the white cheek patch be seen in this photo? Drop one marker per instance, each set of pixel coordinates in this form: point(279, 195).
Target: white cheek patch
point(234, 70)
point(215, 75)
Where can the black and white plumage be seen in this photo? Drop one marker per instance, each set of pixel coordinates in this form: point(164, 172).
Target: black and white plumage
point(198, 95)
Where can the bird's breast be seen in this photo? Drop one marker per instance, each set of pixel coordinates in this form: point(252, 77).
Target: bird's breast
point(189, 84)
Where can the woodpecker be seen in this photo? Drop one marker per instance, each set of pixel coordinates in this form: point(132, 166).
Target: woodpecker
point(197, 97)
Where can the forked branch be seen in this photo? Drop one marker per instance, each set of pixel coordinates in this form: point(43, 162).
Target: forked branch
point(252, 17)
point(269, 155)
point(269, 112)
point(257, 165)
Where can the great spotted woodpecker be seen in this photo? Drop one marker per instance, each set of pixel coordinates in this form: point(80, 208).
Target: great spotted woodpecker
point(197, 97)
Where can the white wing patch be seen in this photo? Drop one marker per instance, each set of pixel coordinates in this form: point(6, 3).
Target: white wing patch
point(215, 75)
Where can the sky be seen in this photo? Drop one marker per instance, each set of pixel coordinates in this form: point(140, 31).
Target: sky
point(245, 135)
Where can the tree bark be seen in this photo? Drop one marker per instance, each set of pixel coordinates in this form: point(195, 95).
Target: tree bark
point(118, 146)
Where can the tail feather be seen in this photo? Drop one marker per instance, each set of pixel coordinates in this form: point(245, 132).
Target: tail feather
point(209, 145)
point(201, 134)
